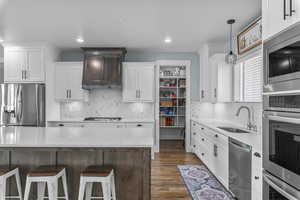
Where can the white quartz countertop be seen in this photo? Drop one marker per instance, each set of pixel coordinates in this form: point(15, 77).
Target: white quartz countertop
point(253, 139)
point(121, 121)
point(75, 137)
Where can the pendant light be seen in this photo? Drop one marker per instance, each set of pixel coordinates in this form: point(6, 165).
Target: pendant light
point(231, 58)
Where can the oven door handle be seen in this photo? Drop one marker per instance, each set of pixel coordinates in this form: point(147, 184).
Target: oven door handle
point(281, 187)
point(283, 119)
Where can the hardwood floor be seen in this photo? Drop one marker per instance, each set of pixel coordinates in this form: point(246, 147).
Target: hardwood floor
point(166, 181)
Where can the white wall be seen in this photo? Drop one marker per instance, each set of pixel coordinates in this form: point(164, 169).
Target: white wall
point(108, 103)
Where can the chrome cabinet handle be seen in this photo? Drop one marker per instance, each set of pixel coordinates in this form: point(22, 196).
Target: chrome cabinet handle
point(291, 8)
point(215, 150)
point(202, 94)
point(67, 94)
point(284, 10)
point(215, 92)
point(70, 93)
point(256, 154)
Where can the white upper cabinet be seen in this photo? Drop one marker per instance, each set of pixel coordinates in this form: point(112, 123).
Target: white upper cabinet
point(221, 79)
point(279, 15)
point(205, 82)
point(23, 64)
point(138, 82)
point(35, 68)
point(216, 77)
point(68, 78)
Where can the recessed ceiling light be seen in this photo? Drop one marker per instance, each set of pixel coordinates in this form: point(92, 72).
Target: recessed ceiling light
point(168, 40)
point(1, 40)
point(80, 40)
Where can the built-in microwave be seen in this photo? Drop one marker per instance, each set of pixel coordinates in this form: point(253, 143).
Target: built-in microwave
point(282, 62)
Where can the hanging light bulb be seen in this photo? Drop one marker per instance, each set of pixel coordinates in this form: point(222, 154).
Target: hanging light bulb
point(231, 58)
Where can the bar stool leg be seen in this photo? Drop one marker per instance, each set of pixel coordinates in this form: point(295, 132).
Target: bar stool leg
point(81, 188)
point(113, 187)
point(64, 182)
point(106, 191)
point(41, 187)
point(52, 189)
point(27, 189)
point(18, 181)
point(88, 191)
point(2, 188)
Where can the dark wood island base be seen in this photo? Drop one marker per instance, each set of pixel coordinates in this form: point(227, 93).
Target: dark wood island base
point(132, 166)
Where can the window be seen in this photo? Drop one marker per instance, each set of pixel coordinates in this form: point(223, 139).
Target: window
point(248, 80)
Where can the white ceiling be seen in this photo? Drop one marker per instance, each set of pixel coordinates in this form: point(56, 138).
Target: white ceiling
point(135, 24)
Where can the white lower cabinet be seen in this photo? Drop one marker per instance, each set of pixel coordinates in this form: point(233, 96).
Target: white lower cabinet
point(213, 150)
point(256, 182)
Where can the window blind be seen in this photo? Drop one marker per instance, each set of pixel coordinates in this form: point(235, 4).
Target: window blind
point(253, 79)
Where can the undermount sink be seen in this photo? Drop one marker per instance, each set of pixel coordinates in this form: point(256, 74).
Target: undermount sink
point(233, 130)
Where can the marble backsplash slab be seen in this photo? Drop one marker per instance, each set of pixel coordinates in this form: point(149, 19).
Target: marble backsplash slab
point(107, 103)
point(227, 112)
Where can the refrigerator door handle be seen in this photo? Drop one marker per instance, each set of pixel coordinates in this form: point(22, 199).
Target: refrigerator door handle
point(37, 104)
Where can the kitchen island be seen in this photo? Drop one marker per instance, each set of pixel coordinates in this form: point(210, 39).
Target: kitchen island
point(128, 150)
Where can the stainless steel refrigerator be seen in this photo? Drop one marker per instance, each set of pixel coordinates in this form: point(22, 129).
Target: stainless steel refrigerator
point(22, 104)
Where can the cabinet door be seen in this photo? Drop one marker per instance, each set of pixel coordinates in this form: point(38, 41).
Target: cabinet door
point(146, 83)
point(61, 82)
point(256, 182)
point(221, 79)
point(35, 66)
point(205, 75)
point(224, 89)
point(14, 63)
point(275, 16)
point(221, 166)
point(130, 79)
point(74, 83)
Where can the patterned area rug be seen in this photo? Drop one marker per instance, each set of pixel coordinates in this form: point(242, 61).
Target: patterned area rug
point(202, 184)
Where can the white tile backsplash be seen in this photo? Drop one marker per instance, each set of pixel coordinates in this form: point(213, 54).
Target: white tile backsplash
point(227, 111)
point(108, 103)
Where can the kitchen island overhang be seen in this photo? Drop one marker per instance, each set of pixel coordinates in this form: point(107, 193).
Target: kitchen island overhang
point(128, 150)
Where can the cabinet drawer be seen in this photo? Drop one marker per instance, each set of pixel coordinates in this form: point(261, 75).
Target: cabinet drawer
point(216, 137)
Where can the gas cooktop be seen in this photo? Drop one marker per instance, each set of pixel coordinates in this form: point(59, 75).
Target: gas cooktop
point(105, 119)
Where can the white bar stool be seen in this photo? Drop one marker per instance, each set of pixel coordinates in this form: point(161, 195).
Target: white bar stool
point(97, 174)
point(4, 175)
point(47, 175)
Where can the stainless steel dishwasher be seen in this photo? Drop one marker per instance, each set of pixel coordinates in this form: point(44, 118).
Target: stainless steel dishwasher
point(240, 169)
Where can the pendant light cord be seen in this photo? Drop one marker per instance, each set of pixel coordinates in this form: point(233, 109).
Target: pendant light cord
point(230, 38)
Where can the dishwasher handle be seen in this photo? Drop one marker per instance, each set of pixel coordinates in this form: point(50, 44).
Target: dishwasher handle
point(239, 145)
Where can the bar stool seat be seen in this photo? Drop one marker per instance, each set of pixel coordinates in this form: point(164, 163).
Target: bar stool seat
point(97, 171)
point(47, 175)
point(97, 174)
point(4, 175)
point(4, 171)
point(45, 171)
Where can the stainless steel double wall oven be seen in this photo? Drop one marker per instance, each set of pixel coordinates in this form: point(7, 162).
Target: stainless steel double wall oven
point(281, 118)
